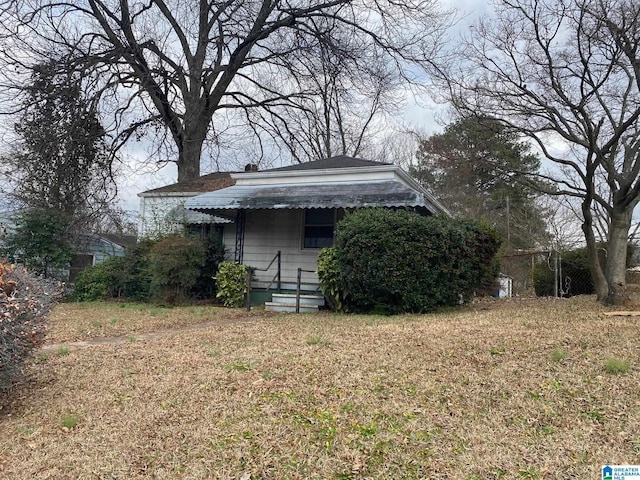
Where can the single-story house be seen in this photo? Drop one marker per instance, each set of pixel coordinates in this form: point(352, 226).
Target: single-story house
point(291, 212)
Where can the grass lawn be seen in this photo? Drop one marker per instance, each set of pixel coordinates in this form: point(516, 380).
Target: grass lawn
point(520, 389)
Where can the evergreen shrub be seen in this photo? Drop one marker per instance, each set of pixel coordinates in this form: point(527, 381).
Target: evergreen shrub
point(214, 256)
point(231, 281)
point(101, 281)
point(390, 262)
point(174, 264)
point(40, 241)
point(125, 277)
point(170, 270)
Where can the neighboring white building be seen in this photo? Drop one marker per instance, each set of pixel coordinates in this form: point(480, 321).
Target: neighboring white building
point(162, 209)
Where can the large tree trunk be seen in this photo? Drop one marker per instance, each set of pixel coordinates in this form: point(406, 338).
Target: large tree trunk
point(616, 266)
point(189, 157)
point(597, 275)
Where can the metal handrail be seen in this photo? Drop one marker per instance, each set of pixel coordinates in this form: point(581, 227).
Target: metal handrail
point(298, 284)
point(278, 276)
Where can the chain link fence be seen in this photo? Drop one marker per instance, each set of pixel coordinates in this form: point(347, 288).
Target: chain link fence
point(547, 273)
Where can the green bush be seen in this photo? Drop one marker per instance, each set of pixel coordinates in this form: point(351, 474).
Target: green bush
point(231, 281)
point(170, 270)
point(398, 261)
point(174, 265)
point(330, 278)
point(136, 284)
point(40, 241)
point(101, 281)
point(214, 255)
point(117, 277)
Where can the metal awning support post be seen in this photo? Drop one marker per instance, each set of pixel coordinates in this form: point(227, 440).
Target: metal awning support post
point(279, 271)
point(240, 222)
point(299, 280)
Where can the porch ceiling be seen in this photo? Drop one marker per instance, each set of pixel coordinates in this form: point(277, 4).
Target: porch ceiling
point(389, 193)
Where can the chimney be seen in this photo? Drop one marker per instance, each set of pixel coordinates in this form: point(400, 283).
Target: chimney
point(251, 167)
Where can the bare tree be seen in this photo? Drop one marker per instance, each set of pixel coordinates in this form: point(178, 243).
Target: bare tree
point(566, 72)
point(348, 90)
point(170, 69)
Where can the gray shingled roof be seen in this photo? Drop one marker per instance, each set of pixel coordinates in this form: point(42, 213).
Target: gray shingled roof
point(218, 180)
point(339, 161)
point(205, 183)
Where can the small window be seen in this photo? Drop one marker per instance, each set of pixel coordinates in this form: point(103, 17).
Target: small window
point(318, 228)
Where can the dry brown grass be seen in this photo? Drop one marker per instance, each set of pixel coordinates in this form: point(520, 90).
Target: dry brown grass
point(514, 390)
point(72, 322)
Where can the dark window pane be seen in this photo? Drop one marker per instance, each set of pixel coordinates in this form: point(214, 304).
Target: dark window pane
point(318, 237)
point(319, 216)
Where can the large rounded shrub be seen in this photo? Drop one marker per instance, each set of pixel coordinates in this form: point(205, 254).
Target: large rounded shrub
point(398, 261)
point(175, 263)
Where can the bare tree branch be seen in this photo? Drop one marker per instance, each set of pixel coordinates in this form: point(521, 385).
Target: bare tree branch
point(567, 70)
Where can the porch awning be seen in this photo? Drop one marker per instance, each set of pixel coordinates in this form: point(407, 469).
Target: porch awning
point(388, 193)
point(180, 214)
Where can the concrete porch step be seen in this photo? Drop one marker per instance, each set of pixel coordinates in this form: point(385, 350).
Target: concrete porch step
point(305, 299)
point(286, 302)
point(289, 307)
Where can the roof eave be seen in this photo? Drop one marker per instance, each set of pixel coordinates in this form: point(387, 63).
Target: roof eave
point(413, 183)
point(151, 193)
point(308, 173)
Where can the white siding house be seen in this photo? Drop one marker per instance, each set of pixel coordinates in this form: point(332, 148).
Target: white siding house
point(293, 210)
point(267, 232)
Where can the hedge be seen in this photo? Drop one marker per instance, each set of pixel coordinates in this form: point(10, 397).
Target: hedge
point(393, 261)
